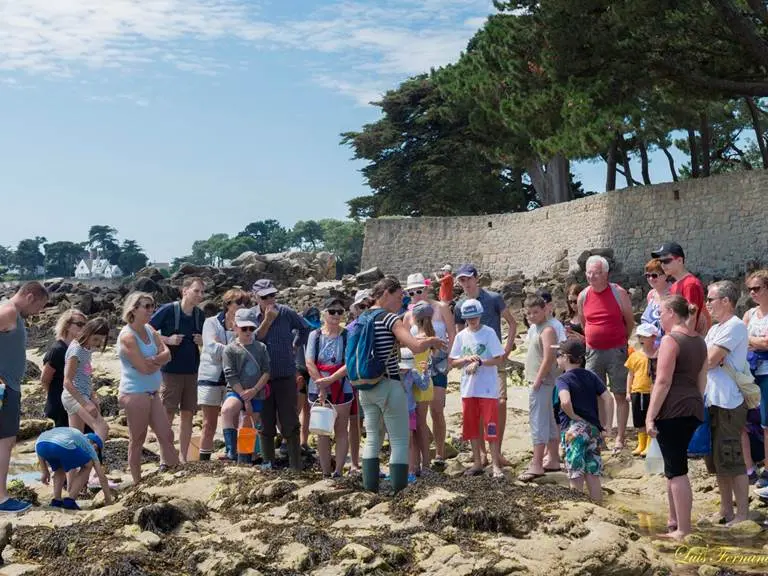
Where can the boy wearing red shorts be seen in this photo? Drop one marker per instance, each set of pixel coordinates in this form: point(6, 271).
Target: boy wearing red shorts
point(478, 352)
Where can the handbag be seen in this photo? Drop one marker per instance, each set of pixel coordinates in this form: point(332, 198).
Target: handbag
point(746, 383)
point(701, 441)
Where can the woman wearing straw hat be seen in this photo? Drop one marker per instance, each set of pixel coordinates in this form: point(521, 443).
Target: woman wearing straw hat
point(444, 328)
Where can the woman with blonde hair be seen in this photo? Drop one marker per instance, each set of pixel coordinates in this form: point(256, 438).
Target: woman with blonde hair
point(68, 327)
point(218, 332)
point(657, 279)
point(142, 353)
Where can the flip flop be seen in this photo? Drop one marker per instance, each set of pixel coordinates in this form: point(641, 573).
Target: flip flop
point(474, 472)
point(529, 476)
point(553, 469)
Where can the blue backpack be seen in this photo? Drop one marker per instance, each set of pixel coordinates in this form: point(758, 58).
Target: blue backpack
point(364, 368)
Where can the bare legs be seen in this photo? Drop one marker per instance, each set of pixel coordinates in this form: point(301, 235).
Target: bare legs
point(143, 411)
point(437, 411)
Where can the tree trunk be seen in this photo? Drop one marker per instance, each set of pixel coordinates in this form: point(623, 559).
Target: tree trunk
point(706, 145)
point(671, 161)
point(551, 182)
point(694, 146)
point(757, 125)
point(625, 163)
point(610, 178)
point(644, 164)
point(744, 30)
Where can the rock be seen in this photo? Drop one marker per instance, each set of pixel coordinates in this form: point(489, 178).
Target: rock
point(706, 570)
point(507, 566)
point(294, 556)
point(146, 285)
point(746, 528)
point(250, 572)
point(150, 272)
point(161, 517)
point(32, 428)
point(248, 258)
point(450, 451)
point(149, 539)
point(32, 372)
point(190, 509)
point(430, 504)
point(357, 551)
point(221, 563)
point(369, 277)
point(394, 555)
point(6, 533)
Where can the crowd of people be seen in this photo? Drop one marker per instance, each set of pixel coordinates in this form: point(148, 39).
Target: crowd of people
point(257, 365)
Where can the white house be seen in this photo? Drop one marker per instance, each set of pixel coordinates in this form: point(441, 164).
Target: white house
point(97, 269)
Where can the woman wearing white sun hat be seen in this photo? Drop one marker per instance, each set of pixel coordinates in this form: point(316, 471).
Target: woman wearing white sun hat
point(445, 328)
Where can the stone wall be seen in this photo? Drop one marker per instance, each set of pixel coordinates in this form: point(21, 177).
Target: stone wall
point(721, 222)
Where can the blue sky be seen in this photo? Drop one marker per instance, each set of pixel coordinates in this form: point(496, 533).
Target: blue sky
point(172, 120)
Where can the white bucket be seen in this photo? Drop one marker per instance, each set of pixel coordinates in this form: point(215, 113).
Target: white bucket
point(322, 419)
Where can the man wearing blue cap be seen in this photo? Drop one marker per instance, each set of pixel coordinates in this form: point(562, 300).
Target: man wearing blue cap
point(494, 309)
point(65, 450)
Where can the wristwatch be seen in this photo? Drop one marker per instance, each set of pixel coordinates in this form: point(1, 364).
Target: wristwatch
point(480, 362)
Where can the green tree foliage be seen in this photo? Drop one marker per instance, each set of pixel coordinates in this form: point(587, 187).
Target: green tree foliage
point(425, 160)
point(268, 236)
point(344, 239)
point(62, 257)
point(131, 258)
point(28, 256)
point(6, 259)
point(307, 234)
point(104, 239)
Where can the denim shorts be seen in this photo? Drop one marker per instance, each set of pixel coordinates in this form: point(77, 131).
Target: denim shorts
point(257, 404)
point(762, 382)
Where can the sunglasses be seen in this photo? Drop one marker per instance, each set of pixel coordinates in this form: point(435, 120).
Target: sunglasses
point(652, 275)
point(335, 312)
point(710, 300)
point(363, 306)
point(79, 324)
point(247, 328)
point(754, 289)
point(147, 306)
point(239, 302)
point(415, 292)
point(267, 297)
point(665, 260)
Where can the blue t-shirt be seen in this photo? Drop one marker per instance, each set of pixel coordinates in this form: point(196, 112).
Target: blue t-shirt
point(185, 358)
point(585, 387)
point(69, 439)
point(493, 305)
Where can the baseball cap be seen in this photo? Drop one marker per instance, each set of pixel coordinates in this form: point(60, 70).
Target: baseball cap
point(407, 360)
point(574, 348)
point(415, 281)
point(244, 317)
point(263, 287)
point(331, 301)
point(471, 309)
point(466, 270)
point(544, 294)
point(361, 295)
point(447, 268)
point(96, 439)
point(647, 330)
point(422, 310)
point(669, 248)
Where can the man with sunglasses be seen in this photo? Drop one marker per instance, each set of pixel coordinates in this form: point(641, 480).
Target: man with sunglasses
point(277, 324)
point(672, 259)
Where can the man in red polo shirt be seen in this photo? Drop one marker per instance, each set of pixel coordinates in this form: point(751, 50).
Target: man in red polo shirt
point(672, 259)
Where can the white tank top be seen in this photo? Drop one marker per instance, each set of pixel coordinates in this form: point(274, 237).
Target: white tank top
point(441, 329)
point(758, 327)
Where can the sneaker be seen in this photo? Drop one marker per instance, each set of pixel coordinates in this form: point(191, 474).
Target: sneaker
point(762, 492)
point(55, 503)
point(307, 450)
point(411, 478)
point(284, 449)
point(266, 467)
point(69, 504)
point(752, 477)
point(161, 469)
point(12, 506)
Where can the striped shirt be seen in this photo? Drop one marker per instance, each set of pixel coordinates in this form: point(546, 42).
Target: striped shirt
point(385, 344)
point(280, 338)
point(69, 439)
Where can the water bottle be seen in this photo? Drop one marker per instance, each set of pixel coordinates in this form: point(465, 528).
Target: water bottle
point(2, 394)
point(654, 462)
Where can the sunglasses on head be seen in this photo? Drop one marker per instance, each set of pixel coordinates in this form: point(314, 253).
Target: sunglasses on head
point(651, 275)
point(418, 292)
point(78, 323)
point(146, 306)
point(335, 312)
point(754, 289)
point(239, 302)
point(363, 306)
point(247, 328)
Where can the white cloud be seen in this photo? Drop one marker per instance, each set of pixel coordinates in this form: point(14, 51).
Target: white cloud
point(374, 43)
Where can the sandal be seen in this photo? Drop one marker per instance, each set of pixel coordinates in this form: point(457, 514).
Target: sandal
point(474, 472)
point(529, 476)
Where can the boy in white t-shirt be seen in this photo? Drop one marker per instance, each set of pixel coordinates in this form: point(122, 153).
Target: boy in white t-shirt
point(478, 351)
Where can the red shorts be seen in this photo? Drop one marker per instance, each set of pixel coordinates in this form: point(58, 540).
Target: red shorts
point(354, 408)
point(475, 410)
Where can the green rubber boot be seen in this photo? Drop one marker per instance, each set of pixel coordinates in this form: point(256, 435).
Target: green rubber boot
point(370, 468)
point(398, 476)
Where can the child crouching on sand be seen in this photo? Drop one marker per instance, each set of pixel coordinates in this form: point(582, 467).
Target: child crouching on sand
point(641, 372)
point(582, 419)
point(478, 352)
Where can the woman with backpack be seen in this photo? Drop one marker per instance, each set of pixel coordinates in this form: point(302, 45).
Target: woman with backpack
point(377, 377)
point(328, 382)
point(218, 331)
